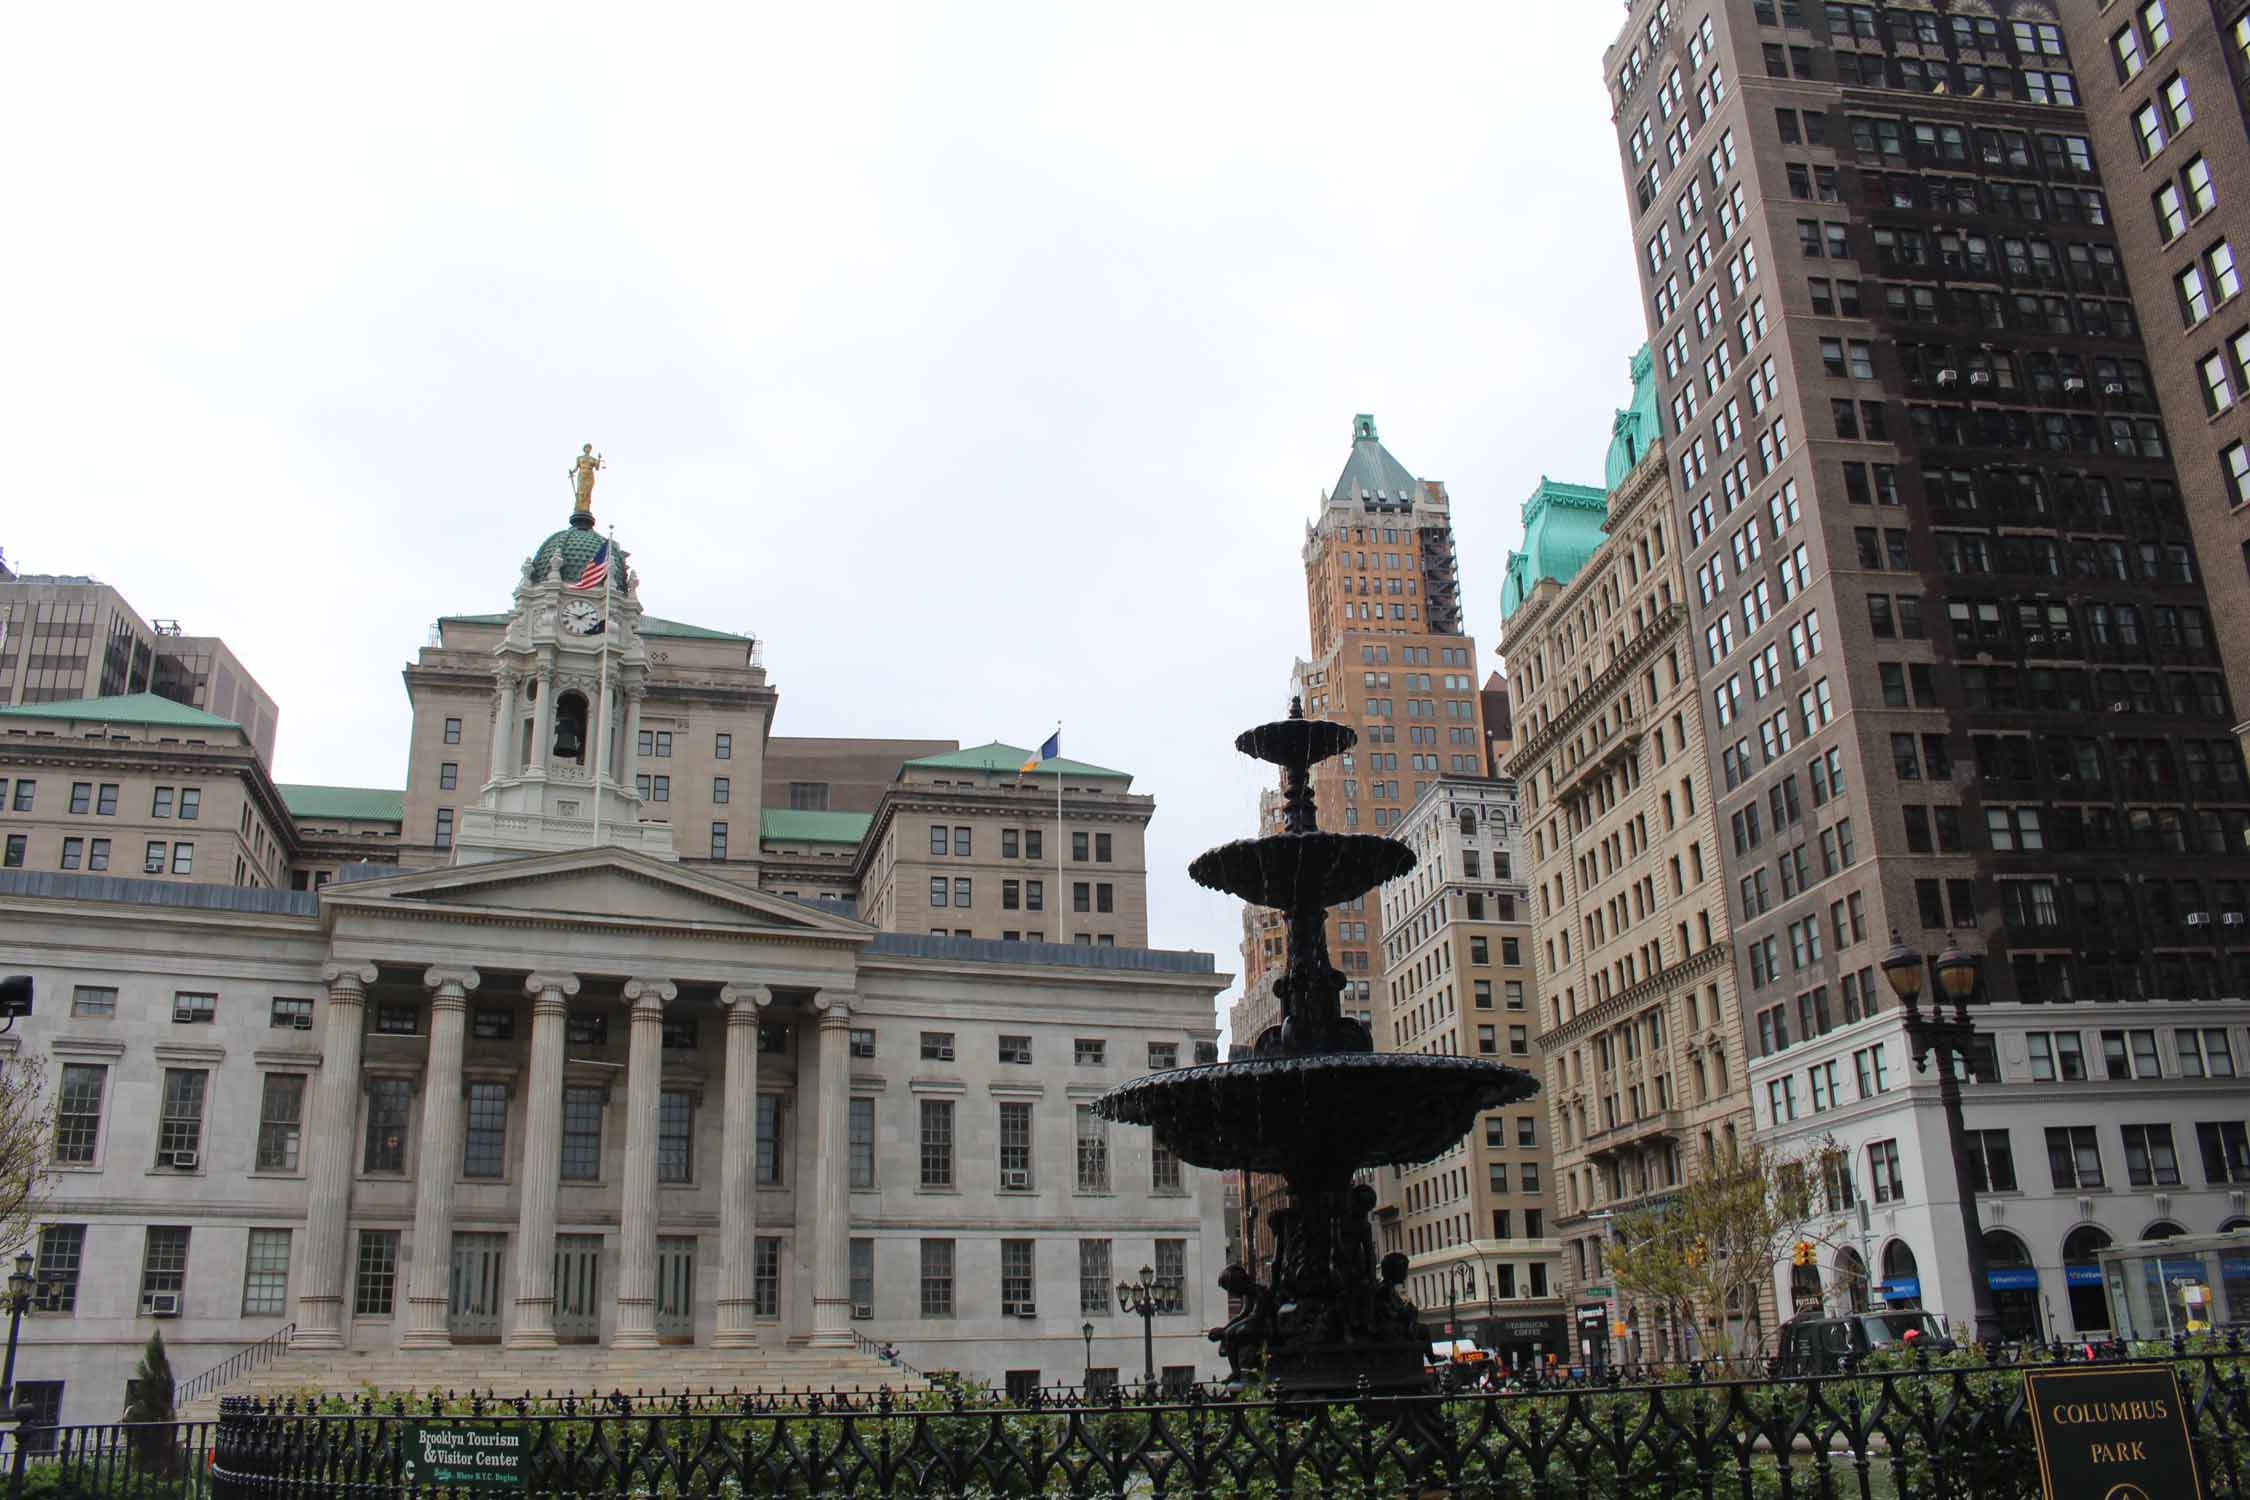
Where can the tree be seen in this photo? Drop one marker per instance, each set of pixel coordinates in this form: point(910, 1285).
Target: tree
point(26, 1149)
point(1710, 1248)
point(148, 1407)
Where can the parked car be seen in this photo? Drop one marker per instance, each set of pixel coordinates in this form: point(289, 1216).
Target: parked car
point(1819, 1346)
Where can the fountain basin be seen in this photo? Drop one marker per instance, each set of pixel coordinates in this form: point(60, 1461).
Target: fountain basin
point(1296, 743)
point(1302, 871)
point(1333, 1112)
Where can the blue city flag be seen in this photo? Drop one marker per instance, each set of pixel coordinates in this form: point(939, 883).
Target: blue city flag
point(1048, 751)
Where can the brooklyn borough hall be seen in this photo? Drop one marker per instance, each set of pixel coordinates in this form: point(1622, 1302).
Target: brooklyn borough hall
point(629, 1045)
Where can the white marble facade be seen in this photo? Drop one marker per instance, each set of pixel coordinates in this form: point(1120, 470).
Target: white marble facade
point(413, 1103)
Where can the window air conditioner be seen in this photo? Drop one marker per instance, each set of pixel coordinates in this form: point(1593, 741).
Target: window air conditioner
point(184, 1161)
point(2199, 919)
point(163, 1304)
point(301, 1023)
point(863, 1309)
point(2074, 384)
point(1947, 377)
point(152, 867)
point(1980, 377)
point(2113, 388)
point(1019, 1310)
point(945, 1053)
point(1017, 1179)
point(2233, 919)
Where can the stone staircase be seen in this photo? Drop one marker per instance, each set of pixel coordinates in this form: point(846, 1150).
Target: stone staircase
point(583, 1369)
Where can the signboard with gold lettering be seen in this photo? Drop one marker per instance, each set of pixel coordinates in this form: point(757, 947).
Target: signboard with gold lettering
point(2112, 1432)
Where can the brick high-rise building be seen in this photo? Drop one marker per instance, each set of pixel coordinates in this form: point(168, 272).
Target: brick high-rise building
point(1391, 659)
point(2169, 129)
point(1961, 672)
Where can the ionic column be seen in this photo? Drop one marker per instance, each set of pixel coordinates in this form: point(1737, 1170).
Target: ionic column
point(629, 754)
point(738, 1168)
point(636, 1243)
point(543, 720)
point(504, 724)
point(438, 1162)
point(328, 1160)
point(534, 1326)
point(832, 1303)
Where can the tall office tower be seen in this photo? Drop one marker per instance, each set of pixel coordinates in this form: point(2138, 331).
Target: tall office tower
point(1457, 977)
point(1959, 663)
point(1639, 1028)
point(1389, 658)
point(65, 638)
point(2168, 126)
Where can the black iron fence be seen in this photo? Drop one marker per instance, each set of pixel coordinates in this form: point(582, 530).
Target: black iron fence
point(1918, 1432)
point(145, 1461)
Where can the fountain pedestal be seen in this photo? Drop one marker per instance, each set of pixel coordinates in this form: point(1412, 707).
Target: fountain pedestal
point(1316, 1105)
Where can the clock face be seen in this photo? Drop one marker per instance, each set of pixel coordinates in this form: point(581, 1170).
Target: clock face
point(581, 618)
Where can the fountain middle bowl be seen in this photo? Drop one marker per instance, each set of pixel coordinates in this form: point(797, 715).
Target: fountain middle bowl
point(1334, 1111)
point(1295, 871)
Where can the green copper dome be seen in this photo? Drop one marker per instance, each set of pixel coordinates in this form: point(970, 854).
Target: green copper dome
point(1636, 429)
point(565, 554)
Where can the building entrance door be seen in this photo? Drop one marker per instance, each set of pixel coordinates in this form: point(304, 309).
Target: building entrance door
point(675, 1289)
point(578, 1278)
point(473, 1311)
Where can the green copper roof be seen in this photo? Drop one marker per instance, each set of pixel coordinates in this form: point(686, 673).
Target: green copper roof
point(1371, 471)
point(129, 708)
point(1635, 430)
point(1562, 525)
point(357, 804)
point(565, 555)
point(650, 625)
point(788, 825)
point(1010, 759)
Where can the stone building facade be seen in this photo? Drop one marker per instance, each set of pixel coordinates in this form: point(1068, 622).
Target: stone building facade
point(1641, 1030)
point(534, 1086)
point(1477, 1223)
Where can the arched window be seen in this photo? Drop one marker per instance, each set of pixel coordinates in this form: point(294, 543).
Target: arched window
point(2082, 1274)
point(1469, 825)
point(2162, 1229)
point(1901, 1285)
point(570, 727)
point(2015, 1284)
point(1851, 1276)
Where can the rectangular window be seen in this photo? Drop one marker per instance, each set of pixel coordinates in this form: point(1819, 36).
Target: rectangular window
point(1093, 1278)
point(179, 1130)
point(582, 1133)
point(937, 1046)
point(449, 776)
point(78, 1116)
point(765, 1276)
point(191, 802)
point(861, 1140)
point(675, 1137)
point(1016, 1049)
point(1883, 1171)
point(937, 1278)
point(1992, 1162)
point(281, 1115)
point(862, 1269)
point(2149, 1158)
point(722, 748)
point(265, 1274)
point(388, 1102)
point(164, 1256)
point(937, 1143)
point(2074, 1157)
point(484, 1135)
point(1163, 1170)
point(62, 1253)
point(1089, 1052)
point(1092, 1136)
point(1163, 1055)
point(718, 840)
point(768, 1170)
point(189, 1008)
point(1171, 1276)
point(1015, 1145)
point(375, 1275)
point(453, 731)
point(289, 1013)
point(1018, 1277)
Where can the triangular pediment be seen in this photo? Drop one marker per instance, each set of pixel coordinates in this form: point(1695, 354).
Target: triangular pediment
point(595, 885)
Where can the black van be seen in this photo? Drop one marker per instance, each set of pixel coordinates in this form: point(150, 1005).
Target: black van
point(1819, 1346)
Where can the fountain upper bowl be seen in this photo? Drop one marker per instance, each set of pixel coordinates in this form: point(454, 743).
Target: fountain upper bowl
point(1297, 871)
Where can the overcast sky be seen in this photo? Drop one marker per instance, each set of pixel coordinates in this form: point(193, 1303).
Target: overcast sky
point(987, 361)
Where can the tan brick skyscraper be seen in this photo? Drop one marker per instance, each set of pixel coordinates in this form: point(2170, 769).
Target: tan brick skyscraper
point(1383, 599)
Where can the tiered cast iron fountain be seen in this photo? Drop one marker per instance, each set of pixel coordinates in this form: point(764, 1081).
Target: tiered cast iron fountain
point(1315, 1104)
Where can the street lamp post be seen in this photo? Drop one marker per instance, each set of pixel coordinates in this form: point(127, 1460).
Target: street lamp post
point(1142, 1299)
point(18, 1303)
point(1951, 1038)
point(1086, 1332)
point(1453, 1277)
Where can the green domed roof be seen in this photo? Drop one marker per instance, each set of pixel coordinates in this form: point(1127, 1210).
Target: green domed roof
point(565, 555)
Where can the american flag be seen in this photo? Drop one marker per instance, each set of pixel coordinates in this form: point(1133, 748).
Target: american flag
point(596, 571)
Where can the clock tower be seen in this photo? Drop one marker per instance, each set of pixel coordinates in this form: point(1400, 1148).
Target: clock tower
point(572, 671)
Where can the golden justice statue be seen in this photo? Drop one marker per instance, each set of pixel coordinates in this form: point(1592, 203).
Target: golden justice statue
point(582, 472)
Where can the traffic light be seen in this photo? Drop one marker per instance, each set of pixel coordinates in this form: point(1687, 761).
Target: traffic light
point(1801, 1254)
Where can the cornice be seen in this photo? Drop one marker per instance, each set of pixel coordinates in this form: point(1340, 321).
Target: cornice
point(1671, 618)
point(1586, 1022)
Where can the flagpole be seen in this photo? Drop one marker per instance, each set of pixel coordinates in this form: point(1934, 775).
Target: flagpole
point(601, 692)
point(1062, 909)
